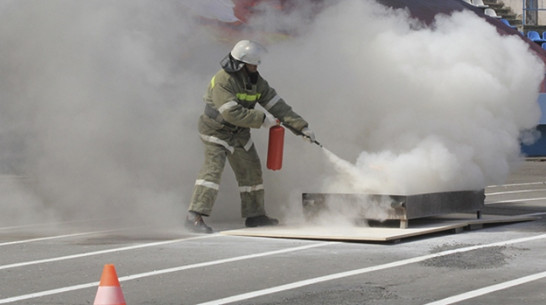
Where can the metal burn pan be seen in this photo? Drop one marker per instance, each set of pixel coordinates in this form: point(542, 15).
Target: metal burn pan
point(383, 207)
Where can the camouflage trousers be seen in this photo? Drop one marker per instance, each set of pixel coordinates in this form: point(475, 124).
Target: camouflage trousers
point(238, 149)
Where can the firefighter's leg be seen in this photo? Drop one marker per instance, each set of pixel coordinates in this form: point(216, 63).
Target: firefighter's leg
point(245, 163)
point(208, 181)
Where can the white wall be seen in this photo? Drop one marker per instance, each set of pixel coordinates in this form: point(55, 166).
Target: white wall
point(517, 7)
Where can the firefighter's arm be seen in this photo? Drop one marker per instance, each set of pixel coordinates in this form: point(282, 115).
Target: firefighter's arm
point(274, 104)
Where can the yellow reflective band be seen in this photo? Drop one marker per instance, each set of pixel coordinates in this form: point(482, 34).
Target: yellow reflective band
point(248, 97)
point(212, 82)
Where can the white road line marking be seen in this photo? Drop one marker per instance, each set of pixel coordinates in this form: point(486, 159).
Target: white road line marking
point(49, 224)
point(514, 192)
point(223, 261)
point(27, 226)
point(9, 243)
point(67, 235)
point(60, 258)
point(517, 200)
point(48, 292)
point(489, 289)
point(518, 184)
point(163, 271)
point(320, 279)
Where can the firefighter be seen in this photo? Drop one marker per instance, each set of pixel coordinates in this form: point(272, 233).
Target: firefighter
point(224, 128)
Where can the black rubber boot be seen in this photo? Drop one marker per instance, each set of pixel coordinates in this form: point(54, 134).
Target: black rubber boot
point(260, 221)
point(195, 223)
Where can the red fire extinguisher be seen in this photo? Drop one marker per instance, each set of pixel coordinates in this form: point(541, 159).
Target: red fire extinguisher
point(275, 147)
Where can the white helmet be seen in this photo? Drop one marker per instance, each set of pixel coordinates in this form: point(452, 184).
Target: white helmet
point(249, 52)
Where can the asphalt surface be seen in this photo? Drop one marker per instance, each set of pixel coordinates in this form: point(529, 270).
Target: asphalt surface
point(499, 264)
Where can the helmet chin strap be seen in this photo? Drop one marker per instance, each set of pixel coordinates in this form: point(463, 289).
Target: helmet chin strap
point(253, 76)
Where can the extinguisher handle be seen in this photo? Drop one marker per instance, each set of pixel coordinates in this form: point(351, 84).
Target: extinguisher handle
point(299, 133)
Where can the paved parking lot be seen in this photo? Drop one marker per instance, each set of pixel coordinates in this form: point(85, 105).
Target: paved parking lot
point(49, 263)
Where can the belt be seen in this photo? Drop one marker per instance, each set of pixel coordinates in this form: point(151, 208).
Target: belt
point(214, 114)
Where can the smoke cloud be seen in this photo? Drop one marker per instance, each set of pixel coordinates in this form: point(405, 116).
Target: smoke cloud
point(100, 101)
point(418, 108)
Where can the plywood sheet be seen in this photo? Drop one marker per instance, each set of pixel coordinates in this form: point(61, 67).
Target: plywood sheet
point(418, 227)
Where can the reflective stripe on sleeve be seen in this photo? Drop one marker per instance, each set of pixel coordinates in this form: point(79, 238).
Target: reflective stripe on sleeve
point(248, 144)
point(227, 106)
point(215, 140)
point(210, 185)
point(253, 188)
point(272, 102)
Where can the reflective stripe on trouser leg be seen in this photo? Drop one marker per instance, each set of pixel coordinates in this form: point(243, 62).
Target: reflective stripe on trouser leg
point(252, 202)
point(208, 181)
point(248, 171)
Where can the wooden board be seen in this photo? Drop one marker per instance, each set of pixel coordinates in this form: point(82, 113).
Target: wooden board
point(418, 227)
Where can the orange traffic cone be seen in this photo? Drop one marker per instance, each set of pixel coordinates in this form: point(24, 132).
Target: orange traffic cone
point(109, 292)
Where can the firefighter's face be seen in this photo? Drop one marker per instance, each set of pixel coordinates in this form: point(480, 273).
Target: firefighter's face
point(251, 68)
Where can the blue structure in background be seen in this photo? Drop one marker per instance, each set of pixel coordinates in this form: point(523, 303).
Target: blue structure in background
point(538, 148)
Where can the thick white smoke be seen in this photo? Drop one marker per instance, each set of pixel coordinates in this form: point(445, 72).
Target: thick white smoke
point(418, 108)
point(100, 101)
